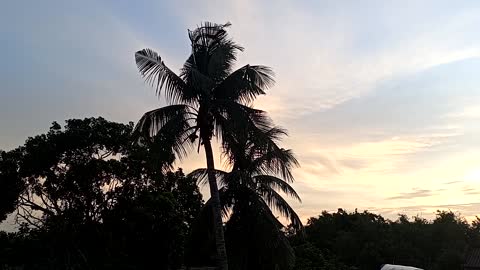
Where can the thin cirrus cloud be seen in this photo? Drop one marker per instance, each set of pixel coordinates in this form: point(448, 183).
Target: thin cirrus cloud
point(380, 99)
point(416, 193)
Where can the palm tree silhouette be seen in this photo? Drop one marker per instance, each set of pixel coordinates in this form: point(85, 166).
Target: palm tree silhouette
point(207, 99)
point(249, 192)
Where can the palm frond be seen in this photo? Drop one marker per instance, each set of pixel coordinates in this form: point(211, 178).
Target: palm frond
point(275, 201)
point(277, 161)
point(259, 148)
point(245, 84)
point(177, 134)
point(156, 73)
point(237, 120)
point(201, 175)
point(260, 142)
point(272, 135)
point(152, 121)
point(256, 239)
point(226, 203)
point(268, 181)
point(213, 52)
point(258, 118)
point(208, 34)
point(222, 59)
point(195, 78)
point(170, 125)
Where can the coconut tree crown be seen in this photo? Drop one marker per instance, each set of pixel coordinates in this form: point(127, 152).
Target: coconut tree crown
point(207, 96)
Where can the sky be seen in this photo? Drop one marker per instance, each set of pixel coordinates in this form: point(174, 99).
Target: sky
point(381, 98)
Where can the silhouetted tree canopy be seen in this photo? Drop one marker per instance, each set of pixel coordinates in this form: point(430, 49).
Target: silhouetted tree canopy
point(363, 240)
point(86, 197)
point(10, 181)
point(89, 198)
point(250, 195)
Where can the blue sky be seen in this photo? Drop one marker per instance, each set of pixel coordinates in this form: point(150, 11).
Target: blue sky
point(381, 98)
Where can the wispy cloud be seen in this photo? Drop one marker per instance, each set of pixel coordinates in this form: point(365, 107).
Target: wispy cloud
point(452, 182)
point(469, 112)
point(416, 193)
point(365, 157)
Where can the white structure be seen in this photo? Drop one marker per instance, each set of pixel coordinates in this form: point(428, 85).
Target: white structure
point(398, 267)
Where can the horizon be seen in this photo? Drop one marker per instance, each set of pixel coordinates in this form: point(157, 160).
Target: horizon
point(380, 101)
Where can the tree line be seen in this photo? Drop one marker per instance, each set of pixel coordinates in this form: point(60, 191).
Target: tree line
point(86, 197)
point(363, 240)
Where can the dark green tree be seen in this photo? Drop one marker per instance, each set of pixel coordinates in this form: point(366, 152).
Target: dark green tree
point(365, 240)
point(10, 182)
point(208, 99)
point(93, 200)
point(357, 239)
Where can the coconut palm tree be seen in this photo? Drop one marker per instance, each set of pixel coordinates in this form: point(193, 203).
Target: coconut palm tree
point(249, 193)
point(204, 100)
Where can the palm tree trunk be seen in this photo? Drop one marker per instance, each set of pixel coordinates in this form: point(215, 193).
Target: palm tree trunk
point(222, 261)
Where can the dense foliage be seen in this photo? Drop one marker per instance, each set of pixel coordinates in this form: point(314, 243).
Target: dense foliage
point(87, 198)
point(250, 193)
point(362, 240)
